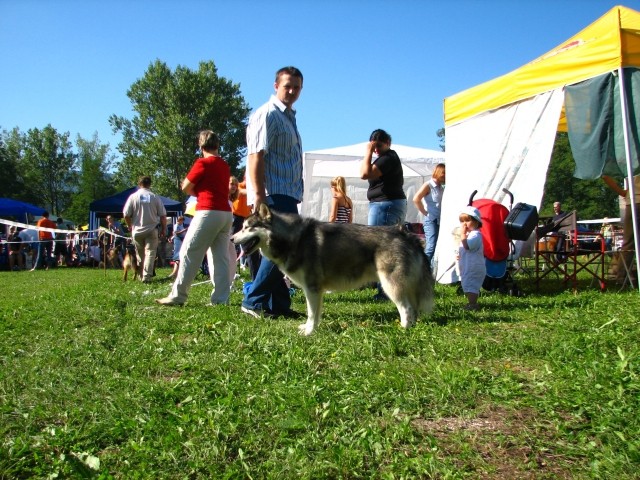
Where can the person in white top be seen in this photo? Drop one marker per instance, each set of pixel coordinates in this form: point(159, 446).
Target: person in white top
point(428, 200)
point(471, 256)
point(143, 212)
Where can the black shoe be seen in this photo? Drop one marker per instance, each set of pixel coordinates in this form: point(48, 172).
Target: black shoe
point(380, 297)
point(291, 315)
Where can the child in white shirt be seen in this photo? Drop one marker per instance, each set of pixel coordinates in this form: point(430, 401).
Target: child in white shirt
point(471, 256)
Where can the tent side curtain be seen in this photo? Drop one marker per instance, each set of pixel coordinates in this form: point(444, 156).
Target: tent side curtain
point(507, 148)
point(594, 118)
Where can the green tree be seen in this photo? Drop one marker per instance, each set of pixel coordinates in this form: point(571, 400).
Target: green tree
point(170, 108)
point(48, 166)
point(15, 185)
point(11, 185)
point(94, 180)
point(591, 198)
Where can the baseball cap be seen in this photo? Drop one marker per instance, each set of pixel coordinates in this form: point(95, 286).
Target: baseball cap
point(473, 213)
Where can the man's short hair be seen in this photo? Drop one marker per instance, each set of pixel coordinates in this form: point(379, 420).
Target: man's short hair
point(144, 181)
point(293, 71)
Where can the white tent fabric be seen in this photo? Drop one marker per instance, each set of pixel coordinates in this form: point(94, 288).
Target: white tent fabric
point(505, 148)
point(320, 166)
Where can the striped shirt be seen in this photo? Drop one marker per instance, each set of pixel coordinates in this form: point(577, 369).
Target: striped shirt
point(272, 128)
point(343, 214)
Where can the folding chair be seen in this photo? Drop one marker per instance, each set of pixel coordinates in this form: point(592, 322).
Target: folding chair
point(572, 252)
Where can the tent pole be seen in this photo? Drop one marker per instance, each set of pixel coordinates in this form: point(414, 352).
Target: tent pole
point(627, 149)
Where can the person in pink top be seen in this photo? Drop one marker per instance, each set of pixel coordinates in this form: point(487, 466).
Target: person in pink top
point(208, 181)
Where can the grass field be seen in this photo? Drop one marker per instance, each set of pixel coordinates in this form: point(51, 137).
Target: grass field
point(96, 381)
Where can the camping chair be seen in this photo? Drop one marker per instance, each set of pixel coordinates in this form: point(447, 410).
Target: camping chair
point(572, 252)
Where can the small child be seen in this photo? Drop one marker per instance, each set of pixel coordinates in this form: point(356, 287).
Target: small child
point(471, 256)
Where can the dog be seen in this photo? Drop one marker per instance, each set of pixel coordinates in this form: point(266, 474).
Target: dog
point(130, 262)
point(113, 259)
point(320, 256)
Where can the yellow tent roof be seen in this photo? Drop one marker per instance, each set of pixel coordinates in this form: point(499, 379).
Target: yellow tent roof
point(610, 42)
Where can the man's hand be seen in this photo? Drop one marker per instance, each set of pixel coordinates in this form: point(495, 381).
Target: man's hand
point(260, 198)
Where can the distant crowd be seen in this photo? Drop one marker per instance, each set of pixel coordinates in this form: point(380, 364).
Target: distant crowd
point(30, 249)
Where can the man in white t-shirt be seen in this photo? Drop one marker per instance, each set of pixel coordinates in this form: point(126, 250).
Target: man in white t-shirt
point(143, 212)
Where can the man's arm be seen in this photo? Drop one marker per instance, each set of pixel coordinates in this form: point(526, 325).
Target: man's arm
point(255, 171)
point(613, 185)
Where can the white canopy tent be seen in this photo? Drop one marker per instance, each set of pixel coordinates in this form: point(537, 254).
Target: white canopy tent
point(320, 166)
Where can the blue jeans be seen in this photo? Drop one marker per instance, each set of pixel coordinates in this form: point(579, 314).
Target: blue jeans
point(431, 232)
point(388, 212)
point(268, 291)
point(43, 260)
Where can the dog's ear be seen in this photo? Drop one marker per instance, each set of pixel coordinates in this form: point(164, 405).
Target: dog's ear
point(265, 213)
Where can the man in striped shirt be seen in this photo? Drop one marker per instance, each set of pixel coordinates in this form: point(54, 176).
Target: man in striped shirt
point(274, 177)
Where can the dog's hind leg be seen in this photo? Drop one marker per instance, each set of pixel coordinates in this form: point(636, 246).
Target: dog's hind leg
point(397, 294)
point(408, 314)
point(314, 312)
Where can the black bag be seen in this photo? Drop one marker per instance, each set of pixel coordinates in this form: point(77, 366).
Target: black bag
point(521, 221)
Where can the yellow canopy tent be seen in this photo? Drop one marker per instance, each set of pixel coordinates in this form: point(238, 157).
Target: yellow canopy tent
point(611, 42)
point(500, 133)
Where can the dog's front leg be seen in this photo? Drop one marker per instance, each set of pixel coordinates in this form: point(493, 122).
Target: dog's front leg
point(314, 312)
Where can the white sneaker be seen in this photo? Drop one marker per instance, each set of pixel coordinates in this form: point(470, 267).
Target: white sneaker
point(169, 302)
point(256, 313)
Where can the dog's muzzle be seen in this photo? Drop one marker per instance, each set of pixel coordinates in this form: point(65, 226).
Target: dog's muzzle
point(250, 245)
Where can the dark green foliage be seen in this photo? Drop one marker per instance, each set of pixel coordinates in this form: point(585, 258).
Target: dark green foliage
point(49, 167)
point(94, 178)
point(591, 198)
point(170, 108)
point(41, 168)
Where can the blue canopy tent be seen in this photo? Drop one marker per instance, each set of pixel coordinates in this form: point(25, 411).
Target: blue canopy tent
point(19, 210)
point(114, 204)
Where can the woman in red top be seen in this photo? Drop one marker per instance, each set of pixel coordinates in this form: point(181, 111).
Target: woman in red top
point(208, 181)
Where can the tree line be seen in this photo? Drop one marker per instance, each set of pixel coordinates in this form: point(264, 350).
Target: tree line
point(44, 167)
point(170, 107)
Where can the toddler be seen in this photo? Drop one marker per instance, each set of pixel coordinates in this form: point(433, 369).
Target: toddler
point(471, 256)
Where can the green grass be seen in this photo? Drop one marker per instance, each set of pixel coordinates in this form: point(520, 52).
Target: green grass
point(96, 381)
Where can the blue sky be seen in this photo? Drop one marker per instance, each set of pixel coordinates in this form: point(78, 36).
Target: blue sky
point(367, 64)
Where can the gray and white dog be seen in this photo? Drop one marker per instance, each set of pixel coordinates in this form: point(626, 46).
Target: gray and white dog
point(321, 256)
